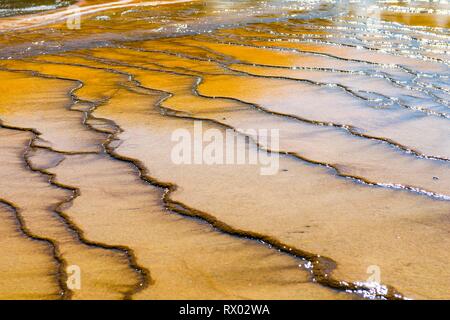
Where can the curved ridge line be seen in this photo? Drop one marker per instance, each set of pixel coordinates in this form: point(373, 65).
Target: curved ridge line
point(321, 266)
point(287, 38)
point(338, 172)
point(345, 88)
point(349, 128)
point(397, 66)
point(357, 29)
point(369, 74)
point(61, 276)
point(340, 86)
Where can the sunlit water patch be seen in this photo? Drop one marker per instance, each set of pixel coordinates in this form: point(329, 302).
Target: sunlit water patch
point(358, 91)
point(19, 7)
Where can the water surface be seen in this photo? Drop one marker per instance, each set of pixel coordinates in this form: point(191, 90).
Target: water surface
point(359, 92)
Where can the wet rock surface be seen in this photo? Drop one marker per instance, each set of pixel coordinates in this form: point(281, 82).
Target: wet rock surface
point(90, 101)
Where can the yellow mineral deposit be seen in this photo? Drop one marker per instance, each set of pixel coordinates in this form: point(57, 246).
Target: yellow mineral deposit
point(355, 201)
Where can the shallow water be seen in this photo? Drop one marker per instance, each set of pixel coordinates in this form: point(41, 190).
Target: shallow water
point(19, 7)
point(359, 92)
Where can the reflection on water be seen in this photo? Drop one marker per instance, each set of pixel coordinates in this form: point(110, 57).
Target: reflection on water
point(359, 91)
